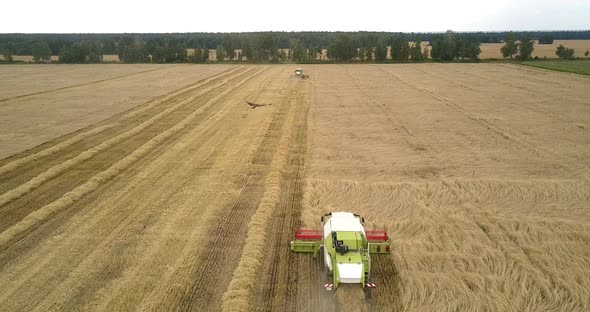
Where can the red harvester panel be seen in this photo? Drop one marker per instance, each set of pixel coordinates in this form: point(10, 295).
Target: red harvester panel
point(308, 234)
point(376, 236)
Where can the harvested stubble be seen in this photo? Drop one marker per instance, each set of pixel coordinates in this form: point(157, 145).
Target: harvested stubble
point(480, 178)
point(67, 199)
point(239, 291)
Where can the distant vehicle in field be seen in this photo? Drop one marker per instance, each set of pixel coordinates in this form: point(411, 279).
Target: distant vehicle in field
point(299, 73)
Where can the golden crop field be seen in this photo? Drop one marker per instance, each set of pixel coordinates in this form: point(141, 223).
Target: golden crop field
point(156, 187)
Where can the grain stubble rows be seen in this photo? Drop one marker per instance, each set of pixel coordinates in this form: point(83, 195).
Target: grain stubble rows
point(188, 200)
point(168, 223)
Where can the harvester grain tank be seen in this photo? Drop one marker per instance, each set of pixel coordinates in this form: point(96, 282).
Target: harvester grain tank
point(345, 246)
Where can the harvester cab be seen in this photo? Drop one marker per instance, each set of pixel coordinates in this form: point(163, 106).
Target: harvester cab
point(345, 246)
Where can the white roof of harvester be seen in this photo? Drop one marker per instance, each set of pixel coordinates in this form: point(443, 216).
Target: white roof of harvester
point(345, 222)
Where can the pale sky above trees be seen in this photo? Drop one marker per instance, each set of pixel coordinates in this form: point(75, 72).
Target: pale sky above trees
point(109, 16)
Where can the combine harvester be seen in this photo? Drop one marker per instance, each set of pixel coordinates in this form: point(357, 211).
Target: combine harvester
point(299, 73)
point(345, 246)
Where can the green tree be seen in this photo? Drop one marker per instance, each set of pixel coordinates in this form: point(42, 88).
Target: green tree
point(564, 52)
point(229, 46)
point(132, 50)
point(240, 57)
point(369, 52)
point(220, 53)
point(400, 48)
point(41, 52)
point(444, 47)
point(344, 49)
point(468, 48)
point(262, 48)
point(416, 54)
point(164, 54)
point(319, 53)
point(7, 56)
point(525, 48)
point(181, 54)
point(298, 51)
point(94, 52)
point(546, 38)
point(510, 47)
point(425, 54)
point(312, 54)
point(197, 56)
point(380, 51)
point(587, 53)
point(362, 54)
point(74, 54)
point(205, 55)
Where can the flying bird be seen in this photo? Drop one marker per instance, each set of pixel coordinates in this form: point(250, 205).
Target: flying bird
point(254, 105)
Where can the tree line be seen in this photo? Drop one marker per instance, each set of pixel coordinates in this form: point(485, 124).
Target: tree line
point(266, 47)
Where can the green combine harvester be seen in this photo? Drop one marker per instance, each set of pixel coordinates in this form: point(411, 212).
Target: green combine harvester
point(345, 246)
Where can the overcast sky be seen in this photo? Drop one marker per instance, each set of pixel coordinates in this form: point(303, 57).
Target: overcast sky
point(109, 16)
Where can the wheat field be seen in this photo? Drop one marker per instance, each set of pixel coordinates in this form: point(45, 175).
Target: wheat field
point(482, 182)
point(155, 187)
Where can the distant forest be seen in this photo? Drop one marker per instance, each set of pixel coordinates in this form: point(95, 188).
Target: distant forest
point(260, 47)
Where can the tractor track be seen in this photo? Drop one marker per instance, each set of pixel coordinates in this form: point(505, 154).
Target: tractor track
point(224, 240)
point(42, 207)
point(88, 264)
point(69, 176)
point(38, 159)
point(503, 132)
point(277, 284)
point(81, 84)
point(188, 201)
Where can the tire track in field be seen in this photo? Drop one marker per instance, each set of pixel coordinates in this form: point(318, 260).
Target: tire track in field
point(394, 122)
point(537, 150)
point(530, 108)
point(102, 273)
point(82, 84)
point(545, 72)
point(306, 274)
point(198, 278)
point(39, 160)
point(42, 214)
point(239, 292)
point(226, 240)
point(561, 97)
point(134, 220)
point(98, 157)
point(277, 281)
point(117, 120)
